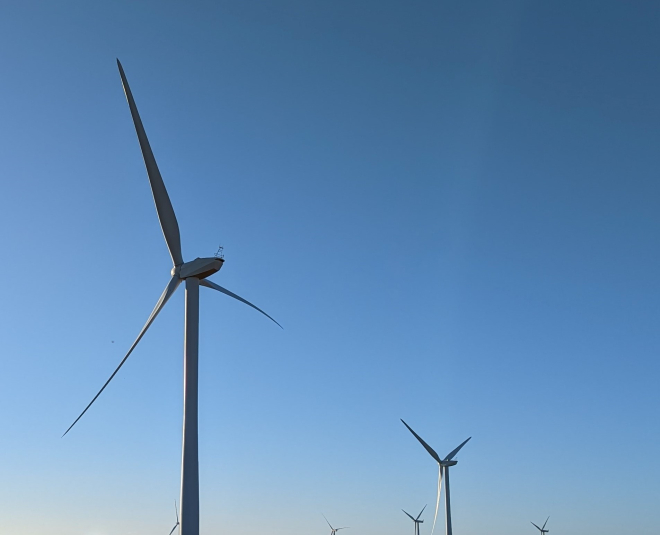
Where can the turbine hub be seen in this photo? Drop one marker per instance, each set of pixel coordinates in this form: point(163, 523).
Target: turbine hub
point(199, 268)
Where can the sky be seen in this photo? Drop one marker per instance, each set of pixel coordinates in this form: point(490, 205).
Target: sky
point(451, 207)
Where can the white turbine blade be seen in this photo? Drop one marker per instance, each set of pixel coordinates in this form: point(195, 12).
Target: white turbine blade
point(214, 286)
point(537, 527)
point(437, 501)
point(420, 513)
point(428, 448)
point(333, 529)
point(454, 452)
point(544, 523)
point(411, 518)
point(169, 290)
point(164, 208)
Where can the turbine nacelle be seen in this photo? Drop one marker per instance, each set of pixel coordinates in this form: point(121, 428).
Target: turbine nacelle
point(199, 268)
point(448, 463)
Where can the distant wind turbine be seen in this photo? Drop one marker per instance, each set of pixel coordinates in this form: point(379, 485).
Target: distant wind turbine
point(417, 521)
point(333, 530)
point(194, 273)
point(443, 470)
point(177, 518)
point(542, 530)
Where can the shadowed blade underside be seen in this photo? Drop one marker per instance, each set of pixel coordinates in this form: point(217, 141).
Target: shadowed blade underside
point(411, 517)
point(426, 446)
point(454, 452)
point(166, 216)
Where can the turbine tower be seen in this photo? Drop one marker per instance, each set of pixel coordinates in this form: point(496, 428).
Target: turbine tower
point(542, 530)
point(194, 273)
point(417, 521)
point(177, 518)
point(443, 471)
point(333, 531)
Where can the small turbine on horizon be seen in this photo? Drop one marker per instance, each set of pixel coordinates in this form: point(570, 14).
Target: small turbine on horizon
point(177, 518)
point(333, 530)
point(417, 521)
point(443, 470)
point(542, 530)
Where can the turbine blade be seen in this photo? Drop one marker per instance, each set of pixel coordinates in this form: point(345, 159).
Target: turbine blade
point(437, 502)
point(169, 290)
point(428, 448)
point(173, 528)
point(454, 452)
point(420, 513)
point(546, 521)
point(536, 526)
point(177, 513)
point(411, 518)
point(164, 208)
point(214, 286)
point(321, 513)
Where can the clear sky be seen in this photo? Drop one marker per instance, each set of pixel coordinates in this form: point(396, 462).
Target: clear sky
point(451, 207)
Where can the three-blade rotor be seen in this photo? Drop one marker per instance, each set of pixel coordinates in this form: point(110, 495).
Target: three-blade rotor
point(443, 464)
point(197, 268)
point(177, 518)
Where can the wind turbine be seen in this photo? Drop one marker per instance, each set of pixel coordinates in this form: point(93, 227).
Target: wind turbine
point(177, 518)
point(417, 521)
point(333, 530)
point(443, 470)
point(194, 273)
point(542, 530)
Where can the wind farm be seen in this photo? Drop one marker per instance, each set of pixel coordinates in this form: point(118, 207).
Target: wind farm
point(450, 208)
point(194, 273)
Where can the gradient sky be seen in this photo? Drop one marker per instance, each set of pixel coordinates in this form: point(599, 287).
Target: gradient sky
point(451, 207)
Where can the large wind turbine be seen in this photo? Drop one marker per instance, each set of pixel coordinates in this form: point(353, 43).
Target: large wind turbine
point(542, 530)
point(443, 470)
point(417, 521)
point(333, 531)
point(194, 273)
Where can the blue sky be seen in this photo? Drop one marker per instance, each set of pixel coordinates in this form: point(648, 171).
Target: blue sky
point(451, 207)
